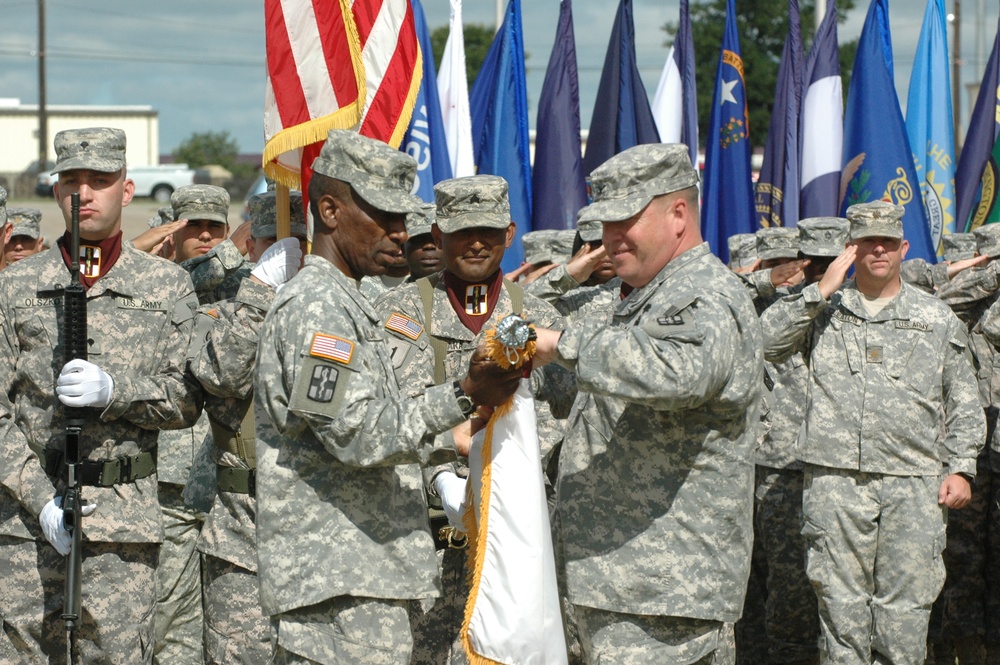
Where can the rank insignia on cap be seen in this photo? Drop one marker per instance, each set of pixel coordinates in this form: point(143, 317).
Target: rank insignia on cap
point(331, 348)
point(322, 383)
point(90, 261)
point(475, 299)
point(404, 325)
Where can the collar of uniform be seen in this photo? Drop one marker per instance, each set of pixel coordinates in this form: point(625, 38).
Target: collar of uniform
point(447, 325)
point(121, 278)
point(350, 286)
point(897, 309)
point(637, 298)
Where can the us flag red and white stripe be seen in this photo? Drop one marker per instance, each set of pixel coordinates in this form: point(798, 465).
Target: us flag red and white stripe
point(335, 64)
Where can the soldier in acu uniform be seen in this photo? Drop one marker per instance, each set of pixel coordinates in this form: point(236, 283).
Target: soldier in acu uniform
point(25, 234)
point(139, 310)
point(892, 429)
point(655, 492)
point(344, 546)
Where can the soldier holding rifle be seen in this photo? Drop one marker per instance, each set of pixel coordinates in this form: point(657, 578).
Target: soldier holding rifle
point(139, 311)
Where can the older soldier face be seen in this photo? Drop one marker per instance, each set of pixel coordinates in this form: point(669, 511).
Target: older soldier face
point(369, 240)
point(640, 246)
point(473, 254)
point(102, 197)
point(879, 258)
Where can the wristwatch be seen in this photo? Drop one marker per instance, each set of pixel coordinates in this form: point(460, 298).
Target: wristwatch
point(465, 402)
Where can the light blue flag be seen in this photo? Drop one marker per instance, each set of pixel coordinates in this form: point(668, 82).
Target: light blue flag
point(929, 123)
point(878, 162)
point(498, 103)
point(727, 192)
point(425, 138)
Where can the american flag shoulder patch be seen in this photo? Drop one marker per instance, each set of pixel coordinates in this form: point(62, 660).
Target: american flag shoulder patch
point(331, 348)
point(404, 325)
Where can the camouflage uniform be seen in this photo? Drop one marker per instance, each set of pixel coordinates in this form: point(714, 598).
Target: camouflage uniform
point(927, 277)
point(236, 630)
point(881, 388)
point(655, 490)
point(344, 547)
point(436, 633)
point(139, 324)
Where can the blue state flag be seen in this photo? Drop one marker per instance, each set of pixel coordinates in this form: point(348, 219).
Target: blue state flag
point(558, 184)
point(425, 138)
point(979, 140)
point(622, 117)
point(929, 124)
point(822, 130)
point(878, 161)
point(727, 189)
point(777, 187)
point(498, 103)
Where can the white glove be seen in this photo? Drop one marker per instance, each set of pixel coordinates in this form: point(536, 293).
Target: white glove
point(279, 262)
point(451, 489)
point(51, 519)
point(82, 383)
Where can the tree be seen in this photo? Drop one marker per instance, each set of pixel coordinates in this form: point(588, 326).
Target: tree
point(762, 26)
point(478, 39)
point(204, 148)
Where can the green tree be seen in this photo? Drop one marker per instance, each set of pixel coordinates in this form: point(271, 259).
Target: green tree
point(478, 39)
point(762, 27)
point(204, 148)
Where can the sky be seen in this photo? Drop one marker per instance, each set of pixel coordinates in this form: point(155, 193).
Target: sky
point(200, 63)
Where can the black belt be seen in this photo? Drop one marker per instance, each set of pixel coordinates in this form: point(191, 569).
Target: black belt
point(105, 472)
point(239, 481)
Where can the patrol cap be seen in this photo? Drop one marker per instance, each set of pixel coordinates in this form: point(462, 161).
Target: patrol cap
point(777, 242)
point(264, 215)
point(164, 215)
point(26, 221)
point(562, 249)
point(420, 222)
point(471, 202)
point(823, 236)
point(626, 183)
point(988, 239)
point(3, 206)
point(742, 249)
point(95, 149)
point(201, 202)
point(590, 230)
point(380, 175)
point(958, 246)
point(876, 219)
point(538, 246)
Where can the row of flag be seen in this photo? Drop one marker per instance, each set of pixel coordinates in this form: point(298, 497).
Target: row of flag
point(819, 157)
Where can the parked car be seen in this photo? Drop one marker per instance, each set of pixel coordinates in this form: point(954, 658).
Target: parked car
point(157, 182)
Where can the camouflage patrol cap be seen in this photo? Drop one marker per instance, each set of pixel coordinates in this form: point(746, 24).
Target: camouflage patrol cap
point(823, 236)
point(742, 249)
point(201, 202)
point(590, 230)
point(626, 183)
point(94, 149)
point(164, 215)
point(26, 221)
point(777, 242)
point(476, 201)
point(562, 249)
point(958, 246)
point(383, 177)
point(879, 219)
point(988, 239)
point(419, 223)
point(3, 206)
point(264, 215)
point(538, 246)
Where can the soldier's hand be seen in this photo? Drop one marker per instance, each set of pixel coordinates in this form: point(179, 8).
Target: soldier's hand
point(154, 240)
point(83, 383)
point(240, 236)
point(538, 272)
point(746, 270)
point(956, 267)
point(461, 434)
point(546, 342)
point(487, 383)
point(279, 263)
point(837, 272)
point(451, 489)
point(789, 274)
point(583, 263)
point(955, 492)
point(53, 526)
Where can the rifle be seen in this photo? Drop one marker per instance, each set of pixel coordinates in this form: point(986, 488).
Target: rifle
point(75, 341)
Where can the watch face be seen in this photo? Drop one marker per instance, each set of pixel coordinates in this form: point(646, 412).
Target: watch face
point(466, 404)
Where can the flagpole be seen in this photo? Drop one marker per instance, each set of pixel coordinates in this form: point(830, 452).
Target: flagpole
point(500, 8)
point(956, 77)
point(820, 13)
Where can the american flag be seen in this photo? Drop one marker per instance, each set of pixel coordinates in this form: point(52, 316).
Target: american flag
point(404, 325)
point(332, 348)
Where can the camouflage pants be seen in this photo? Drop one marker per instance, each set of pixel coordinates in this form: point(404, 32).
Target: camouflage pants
point(119, 593)
point(179, 618)
point(632, 639)
point(236, 630)
point(874, 560)
point(437, 621)
point(791, 620)
point(345, 631)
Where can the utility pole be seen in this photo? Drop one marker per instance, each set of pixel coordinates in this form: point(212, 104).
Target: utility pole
point(43, 115)
point(956, 76)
